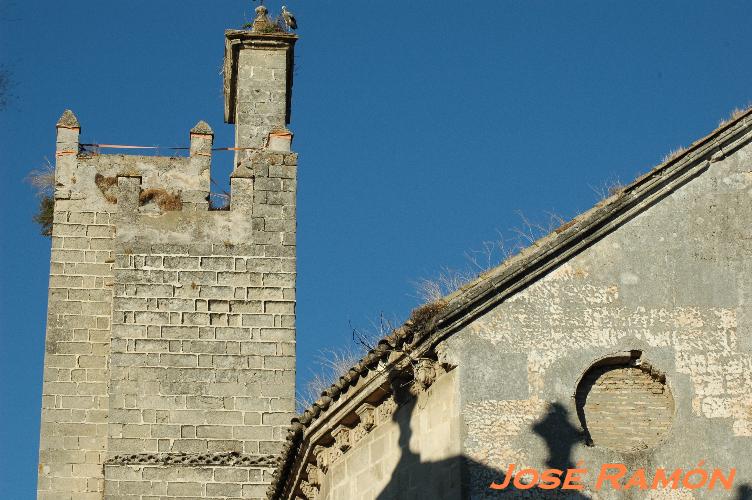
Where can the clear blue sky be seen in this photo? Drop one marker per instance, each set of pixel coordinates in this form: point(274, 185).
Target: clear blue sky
point(423, 127)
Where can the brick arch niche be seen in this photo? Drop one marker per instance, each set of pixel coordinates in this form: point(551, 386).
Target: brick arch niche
point(624, 404)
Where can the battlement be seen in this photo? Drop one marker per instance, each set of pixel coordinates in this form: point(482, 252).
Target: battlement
point(136, 184)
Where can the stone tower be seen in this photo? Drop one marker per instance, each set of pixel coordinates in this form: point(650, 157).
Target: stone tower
point(170, 349)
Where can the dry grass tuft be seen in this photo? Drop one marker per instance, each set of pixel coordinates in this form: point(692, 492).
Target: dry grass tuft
point(167, 202)
point(330, 364)
point(43, 182)
point(490, 255)
point(565, 226)
point(735, 113)
point(608, 188)
point(673, 154)
point(446, 282)
point(107, 186)
point(277, 25)
point(43, 179)
point(422, 318)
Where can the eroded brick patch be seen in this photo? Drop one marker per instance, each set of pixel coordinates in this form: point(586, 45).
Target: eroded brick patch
point(624, 407)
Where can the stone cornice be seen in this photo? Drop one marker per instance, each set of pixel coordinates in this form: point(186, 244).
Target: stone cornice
point(227, 459)
point(330, 442)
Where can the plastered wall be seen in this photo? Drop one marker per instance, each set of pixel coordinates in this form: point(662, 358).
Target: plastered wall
point(674, 283)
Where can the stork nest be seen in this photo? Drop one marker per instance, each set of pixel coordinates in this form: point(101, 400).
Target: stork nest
point(108, 186)
point(271, 26)
point(165, 201)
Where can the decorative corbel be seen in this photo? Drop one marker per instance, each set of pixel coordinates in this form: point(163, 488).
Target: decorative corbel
point(314, 475)
point(309, 490)
point(366, 415)
point(341, 435)
point(425, 373)
point(322, 458)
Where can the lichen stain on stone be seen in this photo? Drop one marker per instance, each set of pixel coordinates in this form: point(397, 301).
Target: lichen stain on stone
point(690, 318)
point(742, 411)
point(629, 278)
point(566, 271)
point(738, 180)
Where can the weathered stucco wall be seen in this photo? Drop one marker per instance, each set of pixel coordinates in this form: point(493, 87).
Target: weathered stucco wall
point(413, 451)
point(675, 283)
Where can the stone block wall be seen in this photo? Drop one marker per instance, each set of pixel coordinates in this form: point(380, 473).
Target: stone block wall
point(258, 83)
point(203, 336)
point(412, 451)
point(73, 437)
point(261, 100)
point(135, 482)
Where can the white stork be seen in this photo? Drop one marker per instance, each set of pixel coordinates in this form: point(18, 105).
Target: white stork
point(289, 18)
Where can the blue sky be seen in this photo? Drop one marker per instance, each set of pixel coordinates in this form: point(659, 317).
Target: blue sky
point(424, 129)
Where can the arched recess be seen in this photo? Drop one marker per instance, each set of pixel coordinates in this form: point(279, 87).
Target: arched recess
point(623, 403)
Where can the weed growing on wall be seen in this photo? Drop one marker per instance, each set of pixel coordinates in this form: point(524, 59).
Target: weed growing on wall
point(43, 182)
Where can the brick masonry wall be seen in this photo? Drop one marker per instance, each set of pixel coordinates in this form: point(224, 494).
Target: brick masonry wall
point(624, 408)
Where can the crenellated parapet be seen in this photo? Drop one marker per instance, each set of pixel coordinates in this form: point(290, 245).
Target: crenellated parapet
point(170, 195)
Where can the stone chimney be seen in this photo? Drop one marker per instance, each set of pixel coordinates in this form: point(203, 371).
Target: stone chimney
point(258, 71)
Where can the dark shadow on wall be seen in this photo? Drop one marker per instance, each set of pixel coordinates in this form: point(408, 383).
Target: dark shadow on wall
point(560, 437)
point(413, 479)
point(461, 477)
point(744, 492)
